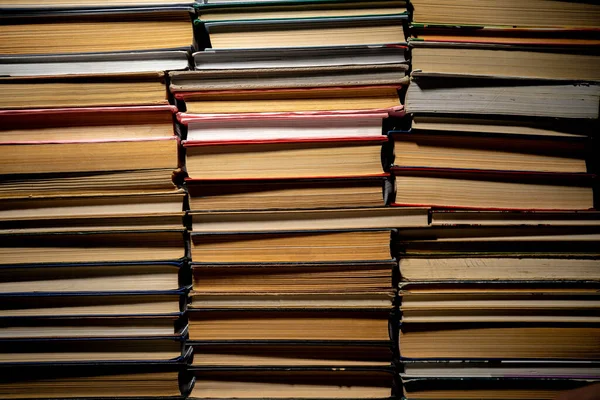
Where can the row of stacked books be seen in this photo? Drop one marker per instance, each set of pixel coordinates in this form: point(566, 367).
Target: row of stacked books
point(92, 241)
point(290, 244)
point(499, 296)
point(292, 268)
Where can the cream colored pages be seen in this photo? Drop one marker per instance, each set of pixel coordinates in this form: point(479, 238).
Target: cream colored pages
point(78, 94)
point(169, 32)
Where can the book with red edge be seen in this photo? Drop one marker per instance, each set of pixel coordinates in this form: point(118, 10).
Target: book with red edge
point(271, 159)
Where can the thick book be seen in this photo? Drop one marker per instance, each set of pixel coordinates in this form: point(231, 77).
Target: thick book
point(308, 100)
point(315, 277)
point(147, 181)
point(503, 97)
point(97, 30)
point(68, 140)
point(90, 246)
point(456, 59)
point(277, 159)
point(490, 152)
point(564, 341)
point(273, 355)
point(330, 324)
point(309, 383)
point(511, 13)
point(73, 91)
point(271, 194)
point(290, 246)
point(574, 40)
point(304, 32)
point(499, 190)
point(142, 380)
point(110, 278)
point(507, 267)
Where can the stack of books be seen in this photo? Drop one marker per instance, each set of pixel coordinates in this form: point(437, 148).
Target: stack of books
point(499, 294)
point(92, 241)
point(290, 243)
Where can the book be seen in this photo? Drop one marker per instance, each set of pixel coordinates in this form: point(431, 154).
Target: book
point(552, 341)
point(294, 220)
point(133, 380)
point(92, 304)
point(95, 210)
point(150, 181)
point(537, 13)
point(57, 141)
point(458, 59)
point(530, 240)
point(499, 303)
point(95, 351)
point(91, 278)
point(315, 384)
point(469, 217)
point(326, 246)
point(371, 98)
point(358, 277)
point(229, 11)
point(91, 327)
point(304, 32)
point(507, 126)
point(510, 387)
point(506, 190)
point(289, 301)
point(299, 325)
point(105, 246)
point(32, 5)
point(296, 77)
point(271, 355)
point(498, 369)
point(97, 30)
point(89, 64)
point(278, 126)
point(277, 159)
point(271, 194)
point(299, 57)
point(503, 97)
point(475, 267)
point(74, 124)
point(97, 91)
point(28, 158)
point(479, 152)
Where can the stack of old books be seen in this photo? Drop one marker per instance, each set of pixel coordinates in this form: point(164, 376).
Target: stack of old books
point(290, 243)
point(500, 294)
point(92, 242)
